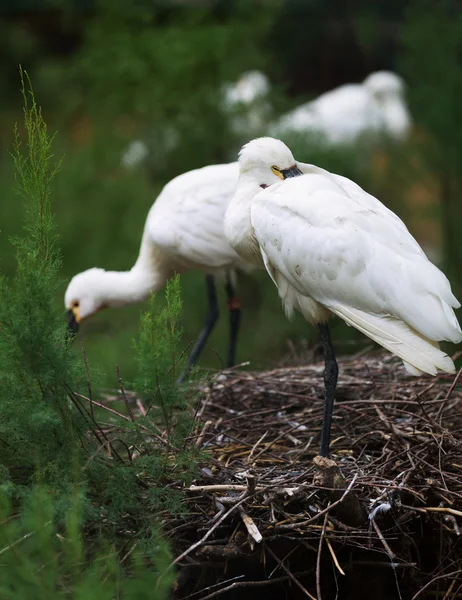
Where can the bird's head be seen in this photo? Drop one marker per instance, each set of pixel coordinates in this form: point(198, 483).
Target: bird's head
point(384, 85)
point(268, 160)
point(84, 297)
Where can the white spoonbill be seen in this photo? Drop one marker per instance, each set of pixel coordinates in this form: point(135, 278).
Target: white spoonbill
point(250, 86)
point(332, 248)
point(341, 116)
point(248, 94)
point(183, 230)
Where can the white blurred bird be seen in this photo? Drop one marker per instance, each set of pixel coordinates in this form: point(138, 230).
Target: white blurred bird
point(342, 116)
point(134, 154)
point(183, 231)
point(332, 248)
point(248, 95)
point(243, 100)
point(164, 140)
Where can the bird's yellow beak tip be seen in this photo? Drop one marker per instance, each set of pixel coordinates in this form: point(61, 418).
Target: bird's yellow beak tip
point(76, 311)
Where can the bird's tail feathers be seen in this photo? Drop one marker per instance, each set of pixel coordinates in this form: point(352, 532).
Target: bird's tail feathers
point(452, 319)
point(419, 354)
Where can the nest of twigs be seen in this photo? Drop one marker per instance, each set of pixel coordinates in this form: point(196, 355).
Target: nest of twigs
point(380, 520)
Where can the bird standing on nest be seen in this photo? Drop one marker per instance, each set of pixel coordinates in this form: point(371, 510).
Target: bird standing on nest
point(183, 230)
point(332, 248)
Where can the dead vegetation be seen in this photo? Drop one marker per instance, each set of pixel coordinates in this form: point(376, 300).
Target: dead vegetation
point(269, 518)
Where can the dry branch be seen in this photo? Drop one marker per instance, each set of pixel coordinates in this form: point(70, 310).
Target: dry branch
point(393, 482)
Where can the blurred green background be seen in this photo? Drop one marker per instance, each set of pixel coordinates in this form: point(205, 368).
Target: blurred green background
point(107, 72)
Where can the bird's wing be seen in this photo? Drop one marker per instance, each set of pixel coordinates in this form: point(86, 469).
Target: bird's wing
point(346, 99)
point(348, 112)
point(332, 247)
point(368, 202)
point(186, 221)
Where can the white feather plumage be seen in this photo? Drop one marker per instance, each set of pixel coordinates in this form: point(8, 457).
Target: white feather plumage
point(332, 248)
point(183, 230)
point(341, 116)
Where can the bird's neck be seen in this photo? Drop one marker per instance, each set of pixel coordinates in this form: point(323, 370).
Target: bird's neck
point(119, 288)
point(238, 225)
point(146, 277)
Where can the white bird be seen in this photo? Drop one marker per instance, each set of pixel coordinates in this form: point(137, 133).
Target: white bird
point(332, 248)
point(183, 230)
point(244, 102)
point(342, 116)
point(134, 154)
point(248, 94)
point(165, 140)
point(250, 86)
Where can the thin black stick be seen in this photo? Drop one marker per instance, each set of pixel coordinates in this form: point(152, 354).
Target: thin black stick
point(422, 589)
point(448, 395)
point(290, 575)
point(88, 379)
point(241, 584)
point(318, 558)
point(122, 390)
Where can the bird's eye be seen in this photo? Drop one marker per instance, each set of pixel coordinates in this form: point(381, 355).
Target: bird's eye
point(263, 185)
point(75, 304)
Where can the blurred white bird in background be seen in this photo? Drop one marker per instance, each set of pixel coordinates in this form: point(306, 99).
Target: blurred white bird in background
point(248, 96)
point(245, 103)
point(183, 230)
point(332, 248)
point(134, 154)
point(137, 152)
point(374, 108)
point(250, 86)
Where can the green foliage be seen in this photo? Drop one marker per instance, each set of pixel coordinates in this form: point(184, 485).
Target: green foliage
point(41, 421)
point(156, 62)
point(435, 87)
point(154, 449)
point(63, 478)
point(100, 209)
point(118, 85)
point(160, 361)
point(39, 429)
point(44, 557)
point(160, 72)
point(434, 90)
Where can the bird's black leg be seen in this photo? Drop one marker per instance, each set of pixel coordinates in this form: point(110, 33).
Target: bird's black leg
point(210, 320)
point(330, 383)
point(234, 308)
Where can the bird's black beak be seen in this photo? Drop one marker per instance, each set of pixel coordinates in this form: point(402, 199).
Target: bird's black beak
point(72, 323)
point(291, 172)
